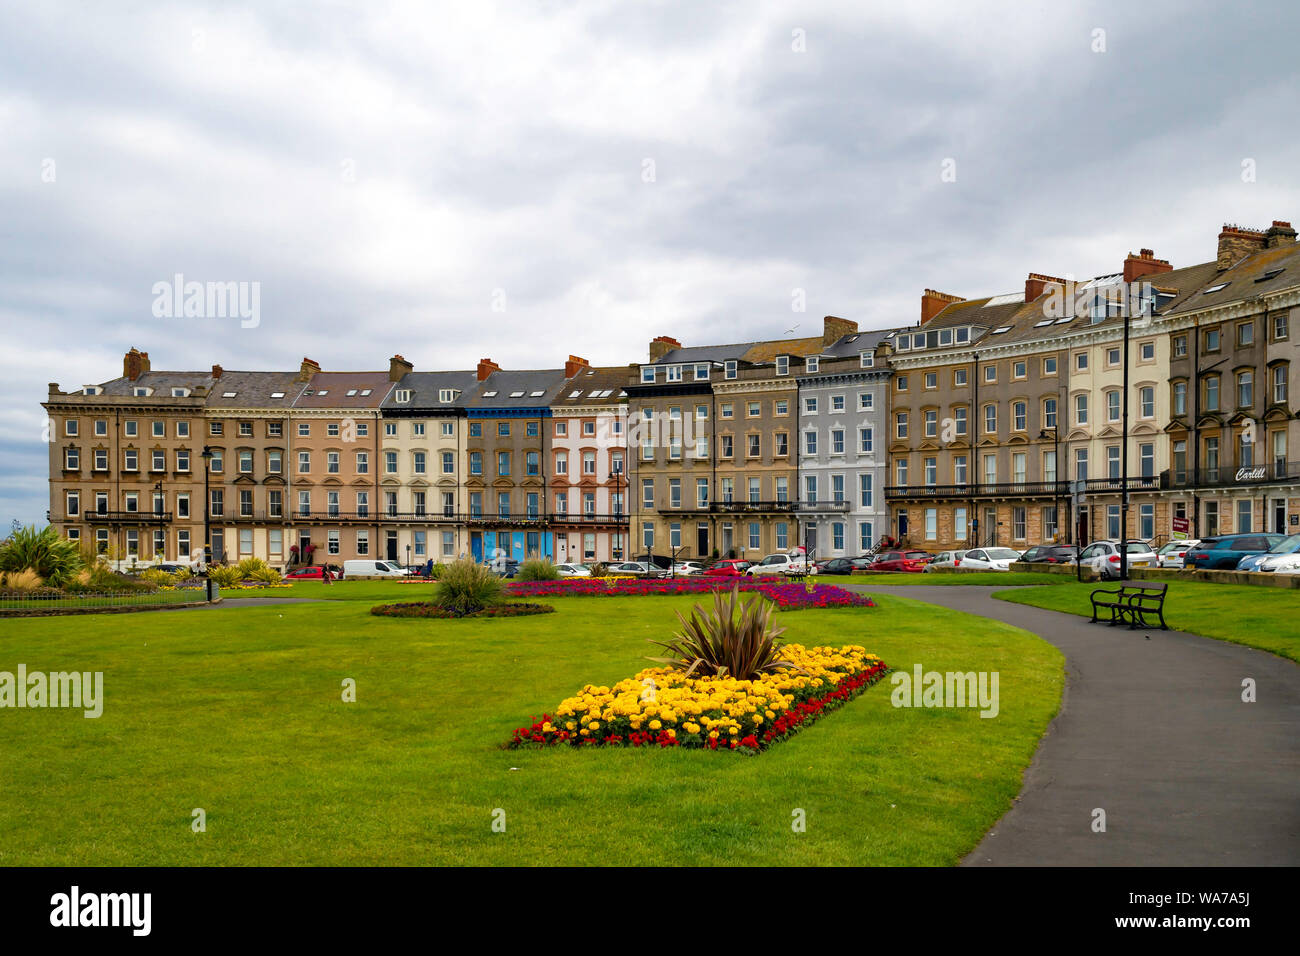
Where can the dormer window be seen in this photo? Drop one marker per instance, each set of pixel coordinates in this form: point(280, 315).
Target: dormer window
point(868, 359)
point(403, 396)
point(674, 373)
point(731, 368)
point(180, 393)
point(141, 391)
point(647, 374)
point(812, 363)
point(92, 390)
point(446, 394)
point(702, 372)
point(918, 340)
point(962, 335)
point(783, 365)
point(945, 336)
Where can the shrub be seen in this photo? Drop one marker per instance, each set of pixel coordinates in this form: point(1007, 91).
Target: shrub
point(158, 578)
point(264, 575)
point(181, 575)
point(737, 639)
point(466, 586)
point(224, 576)
point(599, 569)
point(437, 570)
point(537, 569)
point(249, 567)
point(43, 551)
point(24, 580)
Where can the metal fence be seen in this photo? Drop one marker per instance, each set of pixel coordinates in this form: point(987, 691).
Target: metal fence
point(39, 601)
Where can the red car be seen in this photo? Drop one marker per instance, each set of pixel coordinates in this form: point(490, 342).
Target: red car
point(728, 568)
point(901, 561)
point(310, 573)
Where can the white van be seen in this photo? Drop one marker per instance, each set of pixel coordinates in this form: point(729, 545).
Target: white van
point(362, 568)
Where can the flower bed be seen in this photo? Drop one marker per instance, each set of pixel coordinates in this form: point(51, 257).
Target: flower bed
point(661, 707)
point(429, 609)
point(786, 595)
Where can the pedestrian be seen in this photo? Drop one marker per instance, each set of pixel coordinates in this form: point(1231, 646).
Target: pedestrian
point(325, 574)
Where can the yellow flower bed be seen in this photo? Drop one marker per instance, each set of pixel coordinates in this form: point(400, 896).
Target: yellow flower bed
point(662, 706)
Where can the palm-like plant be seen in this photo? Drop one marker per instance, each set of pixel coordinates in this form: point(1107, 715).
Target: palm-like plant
point(466, 586)
point(42, 550)
point(736, 639)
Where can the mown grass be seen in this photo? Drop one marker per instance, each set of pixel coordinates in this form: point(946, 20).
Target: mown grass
point(238, 711)
point(1260, 617)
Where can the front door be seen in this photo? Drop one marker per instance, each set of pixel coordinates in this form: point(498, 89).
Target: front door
point(391, 545)
point(902, 525)
point(702, 540)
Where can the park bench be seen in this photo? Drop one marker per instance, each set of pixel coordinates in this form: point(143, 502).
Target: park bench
point(1132, 603)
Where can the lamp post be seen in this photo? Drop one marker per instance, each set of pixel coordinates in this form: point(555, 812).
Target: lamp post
point(973, 440)
point(616, 473)
point(207, 508)
point(158, 504)
point(1056, 471)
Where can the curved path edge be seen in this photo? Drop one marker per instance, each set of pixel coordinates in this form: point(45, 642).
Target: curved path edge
point(1153, 730)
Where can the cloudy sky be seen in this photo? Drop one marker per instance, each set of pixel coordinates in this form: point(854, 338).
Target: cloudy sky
point(522, 181)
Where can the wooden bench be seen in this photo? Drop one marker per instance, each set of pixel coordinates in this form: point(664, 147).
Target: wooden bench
point(1132, 604)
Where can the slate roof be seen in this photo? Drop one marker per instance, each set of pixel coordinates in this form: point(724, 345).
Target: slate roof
point(330, 390)
point(426, 386)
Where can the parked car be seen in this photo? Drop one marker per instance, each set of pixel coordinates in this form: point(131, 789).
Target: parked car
point(728, 568)
point(990, 559)
point(946, 559)
point(1224, 552)
point(366, 568)
point(841, 565)
point(1283, 556)
point(573, 570)
point(1173, 554)
point(901, 561)
point(312, 572)
point(792, 564)
point(1103, 557)
point(682, 568)
point(638, 568)
point(173, 568)
point(1050, 554)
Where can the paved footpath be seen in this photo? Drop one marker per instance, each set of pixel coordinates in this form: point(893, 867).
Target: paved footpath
point(1153, 731)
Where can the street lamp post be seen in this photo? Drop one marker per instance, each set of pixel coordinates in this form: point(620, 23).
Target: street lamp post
point(1123, 455)
point(159, 503)
point(617, 473)
point(207, 507)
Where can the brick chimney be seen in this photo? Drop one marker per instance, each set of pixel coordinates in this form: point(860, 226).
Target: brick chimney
point(486, 367)
point(932, 303)
point(834, 328)
point(216, 372)
point(1144, 263)
point(574, 365)
point(661, 346)
point(1236, 243)
point(1279, 234)
point(1036, 283)
point(134, 364)
point(397, 367)
point(307, 370)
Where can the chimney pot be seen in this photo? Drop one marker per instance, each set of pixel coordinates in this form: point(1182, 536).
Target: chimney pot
point(932, 303)
point(486, 367)
point(134, 364)
point(216, 372)
point(834, 328)
point(1144, 263)
point(661, 345)
point(574, 365)
point(398, 367)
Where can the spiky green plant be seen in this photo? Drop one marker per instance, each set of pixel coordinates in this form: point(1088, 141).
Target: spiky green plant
point(42, 550)
point(224, 576)
point(466, 586)
point(537, 569)
point(736, 639)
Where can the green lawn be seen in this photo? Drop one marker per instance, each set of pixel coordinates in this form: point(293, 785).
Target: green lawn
point(1262, 617)
point(986, 578)
point(238, 711)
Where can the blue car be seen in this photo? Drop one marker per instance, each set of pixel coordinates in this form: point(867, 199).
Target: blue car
point(1270, 559)
point(1225, 551)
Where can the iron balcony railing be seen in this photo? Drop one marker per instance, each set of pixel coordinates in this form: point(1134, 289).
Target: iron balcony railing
point(1010, 489)
point(1234, 476)
point(127, 517)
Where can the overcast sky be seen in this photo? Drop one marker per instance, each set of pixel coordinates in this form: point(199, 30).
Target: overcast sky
point(525, 181)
